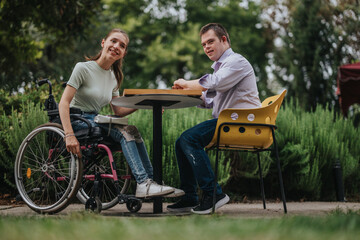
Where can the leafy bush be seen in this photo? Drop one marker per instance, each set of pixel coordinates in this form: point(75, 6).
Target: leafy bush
point(32, 93)
point(309, 145)
point(13, 129)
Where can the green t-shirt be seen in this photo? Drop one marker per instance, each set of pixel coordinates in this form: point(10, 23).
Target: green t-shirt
point(95, 86)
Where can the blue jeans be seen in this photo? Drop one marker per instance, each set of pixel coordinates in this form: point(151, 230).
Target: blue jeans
point(135, 153)
point(194, 163)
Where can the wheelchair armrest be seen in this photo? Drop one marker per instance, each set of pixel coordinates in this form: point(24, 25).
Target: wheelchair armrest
point(54, 114)
point(78, 117)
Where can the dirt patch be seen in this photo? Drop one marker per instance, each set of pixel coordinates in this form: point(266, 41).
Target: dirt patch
point(7, 199)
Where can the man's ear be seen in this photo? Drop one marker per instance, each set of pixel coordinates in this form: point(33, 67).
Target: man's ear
point(223, 38)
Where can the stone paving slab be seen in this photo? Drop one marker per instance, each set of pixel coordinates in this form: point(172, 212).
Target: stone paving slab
point(245, 210)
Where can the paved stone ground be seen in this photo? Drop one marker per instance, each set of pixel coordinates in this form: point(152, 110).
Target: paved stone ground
point(245, 210)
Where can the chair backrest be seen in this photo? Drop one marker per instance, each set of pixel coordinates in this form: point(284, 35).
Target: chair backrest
point(235, 135)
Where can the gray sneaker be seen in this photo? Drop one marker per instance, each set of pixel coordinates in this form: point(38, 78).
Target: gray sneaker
point(149, 188)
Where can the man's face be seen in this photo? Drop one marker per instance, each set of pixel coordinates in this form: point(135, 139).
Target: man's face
point(213, 46)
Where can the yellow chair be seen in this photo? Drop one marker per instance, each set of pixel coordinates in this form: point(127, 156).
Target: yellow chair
point(249, 130)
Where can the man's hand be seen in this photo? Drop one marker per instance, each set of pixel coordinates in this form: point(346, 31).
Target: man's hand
point(188, 84)
point(180, 84)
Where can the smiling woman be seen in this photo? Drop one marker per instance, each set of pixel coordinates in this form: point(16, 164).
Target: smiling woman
point(92, 85)
point(115, 44)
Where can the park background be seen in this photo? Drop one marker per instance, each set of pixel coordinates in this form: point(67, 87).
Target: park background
point(293, 44)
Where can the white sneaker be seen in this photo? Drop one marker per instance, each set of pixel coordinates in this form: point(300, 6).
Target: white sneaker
point(176, 193)
point(149, 188)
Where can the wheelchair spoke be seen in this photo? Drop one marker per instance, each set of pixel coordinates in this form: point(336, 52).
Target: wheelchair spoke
point(45, 171)
point(99, 171)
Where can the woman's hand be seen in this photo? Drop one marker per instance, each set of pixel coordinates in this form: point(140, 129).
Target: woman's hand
point(73, 145)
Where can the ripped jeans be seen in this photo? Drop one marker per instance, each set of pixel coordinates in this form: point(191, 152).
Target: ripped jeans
point(132, 146)
point(194, 164)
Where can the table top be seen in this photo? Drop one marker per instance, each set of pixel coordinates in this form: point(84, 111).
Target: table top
point(167, 98)
point(131, 92)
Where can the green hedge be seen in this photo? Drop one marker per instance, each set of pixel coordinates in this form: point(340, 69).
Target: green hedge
point(309, 145)
point(13, 129)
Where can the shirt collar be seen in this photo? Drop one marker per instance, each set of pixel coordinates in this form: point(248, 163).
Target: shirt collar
point(227, 53)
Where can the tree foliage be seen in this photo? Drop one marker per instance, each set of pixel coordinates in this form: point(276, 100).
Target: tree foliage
point(34, 32)
point(46, 38)
point(169, 46)
point(317, 37)
point(164, 42)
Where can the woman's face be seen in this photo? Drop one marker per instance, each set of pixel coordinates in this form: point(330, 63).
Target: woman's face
point(114, 47)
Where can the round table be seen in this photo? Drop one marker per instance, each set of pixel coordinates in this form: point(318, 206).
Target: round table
point(157, 102)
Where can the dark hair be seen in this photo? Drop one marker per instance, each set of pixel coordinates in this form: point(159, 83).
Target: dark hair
point(117, 65)
point(218, 29)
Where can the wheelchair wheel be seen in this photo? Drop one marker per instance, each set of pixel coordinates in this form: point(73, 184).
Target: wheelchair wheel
point(46, 175)
point(106, 186)
point(93, 205)
point(133, 205)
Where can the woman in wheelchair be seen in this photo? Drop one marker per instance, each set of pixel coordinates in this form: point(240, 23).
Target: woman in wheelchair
point(92, 85)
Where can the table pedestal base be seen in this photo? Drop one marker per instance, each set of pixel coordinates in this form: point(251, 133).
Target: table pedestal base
point(157, 151)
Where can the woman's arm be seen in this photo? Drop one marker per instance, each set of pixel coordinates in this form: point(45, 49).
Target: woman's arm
point(72, 144)
point(121, 111)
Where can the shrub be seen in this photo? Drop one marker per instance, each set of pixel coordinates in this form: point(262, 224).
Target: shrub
point(13, 129)
point(309, 145)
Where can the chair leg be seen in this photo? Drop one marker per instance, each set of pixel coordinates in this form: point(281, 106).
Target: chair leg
point(279, 171)
point(215, 179)
point(261, 181)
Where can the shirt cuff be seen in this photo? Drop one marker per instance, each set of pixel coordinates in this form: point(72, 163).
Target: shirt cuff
point(207, 101)
point(203, 80)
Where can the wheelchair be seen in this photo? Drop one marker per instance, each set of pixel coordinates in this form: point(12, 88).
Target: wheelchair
point(48, 177)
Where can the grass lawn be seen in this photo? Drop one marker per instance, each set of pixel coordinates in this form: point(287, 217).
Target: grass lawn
point(337, 225)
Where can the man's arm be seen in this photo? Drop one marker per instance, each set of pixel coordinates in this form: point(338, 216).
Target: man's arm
point(188, 85)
